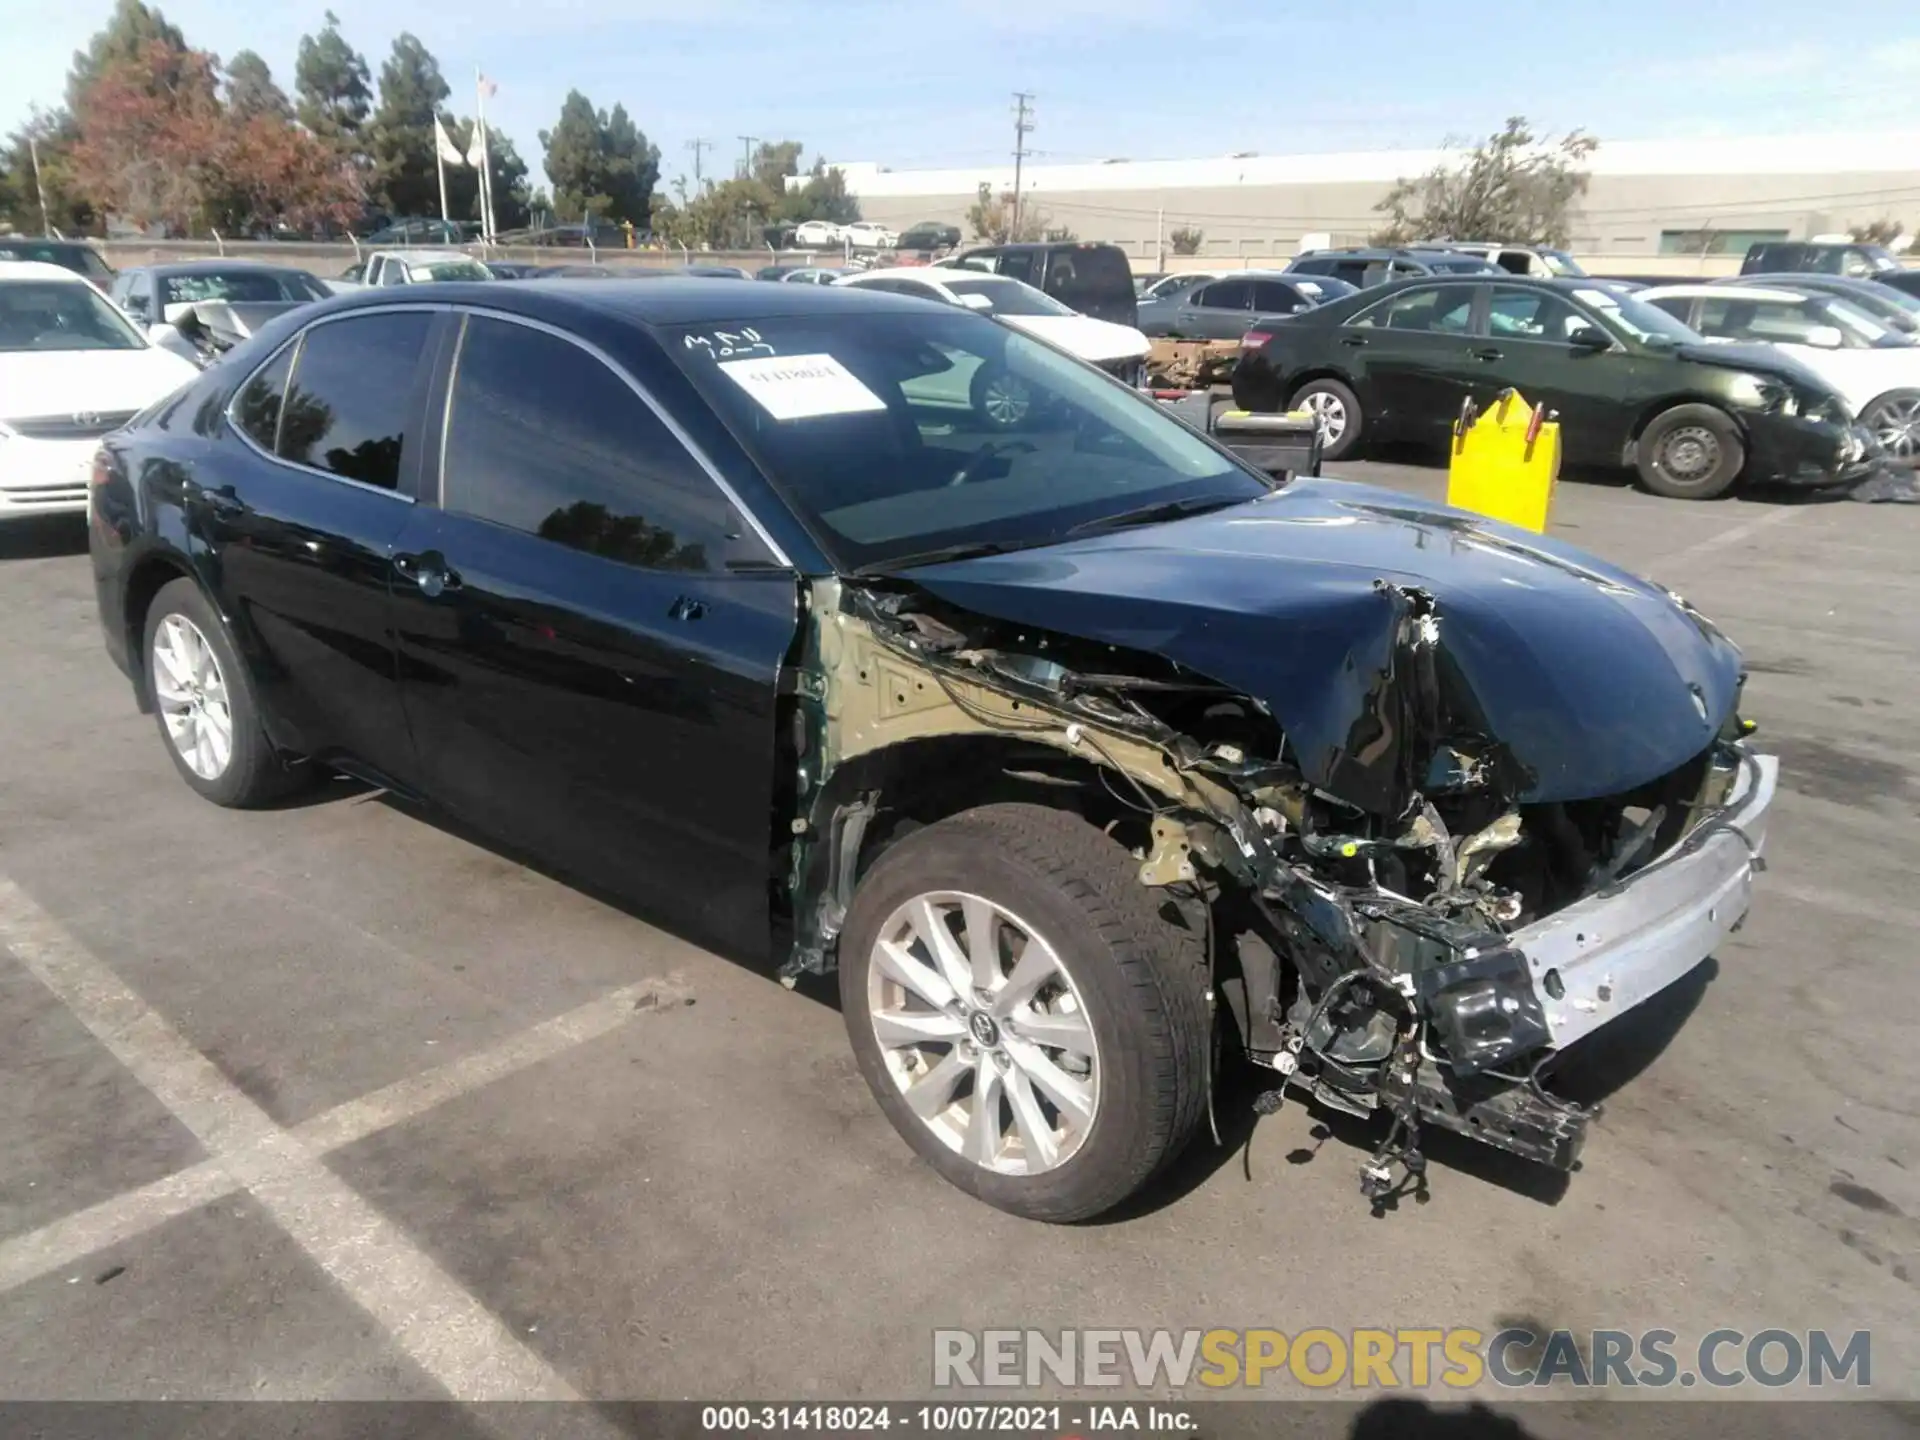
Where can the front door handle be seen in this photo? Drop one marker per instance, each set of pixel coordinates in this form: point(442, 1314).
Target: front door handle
point(685, 607)
point(1356, 341)
point(429, 571)
point(1487, 353)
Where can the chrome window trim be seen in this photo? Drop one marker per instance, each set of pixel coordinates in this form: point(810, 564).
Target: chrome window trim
point(297, 339)
point(673, 426)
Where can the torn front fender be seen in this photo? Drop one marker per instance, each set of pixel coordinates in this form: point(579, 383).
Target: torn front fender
point(1578, 679)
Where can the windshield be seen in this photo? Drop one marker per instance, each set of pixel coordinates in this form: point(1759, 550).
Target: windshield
point(242, 287)
point(1560, 263)
point(1850, 318)
point(1010, 297)
point(61, 315)
point(1636, 319)
point(897, 434)
point(448, 270)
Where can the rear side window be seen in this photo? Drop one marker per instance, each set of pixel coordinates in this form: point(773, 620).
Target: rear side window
point(1443, 310)
point(1312, 267)
point(1275, 297)
point(543, 438)
point(1089, 275)
point(1017, 263)
point(256, 409)
point(351, 395)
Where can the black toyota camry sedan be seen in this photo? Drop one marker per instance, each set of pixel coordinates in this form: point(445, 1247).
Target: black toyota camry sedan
point(1632, 385)
point(1090, 758)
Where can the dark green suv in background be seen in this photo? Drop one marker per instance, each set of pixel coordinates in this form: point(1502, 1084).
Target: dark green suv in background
point(1631, 384)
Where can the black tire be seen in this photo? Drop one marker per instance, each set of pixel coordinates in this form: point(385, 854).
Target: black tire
point(1691, 452)
point(1001, 400)
point(1341, 400)
point(1141, 977)
point(254, 773)
point(1894, 419)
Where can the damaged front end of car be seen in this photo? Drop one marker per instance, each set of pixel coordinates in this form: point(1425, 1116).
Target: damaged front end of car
point(1399, 913)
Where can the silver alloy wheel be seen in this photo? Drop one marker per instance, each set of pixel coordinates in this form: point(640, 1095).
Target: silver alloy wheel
point(192, 696)
point(1690, 454)
point(983, 1030)
point(1896, 423)
point(1331, 412)
point(1006, 399)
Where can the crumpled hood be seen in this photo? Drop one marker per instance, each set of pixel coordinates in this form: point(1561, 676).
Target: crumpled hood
point(1760, 359)
point(1570, 678)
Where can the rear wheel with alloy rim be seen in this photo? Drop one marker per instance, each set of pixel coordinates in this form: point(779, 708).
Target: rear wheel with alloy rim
point(1691, 452)
point(205, 704)
point(1029, 1021)
point(1337, 409)
point(1895, 422)
point(1000, 398)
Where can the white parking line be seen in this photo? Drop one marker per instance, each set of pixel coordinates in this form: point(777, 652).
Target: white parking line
point(431, 1317)
point(1778, 516)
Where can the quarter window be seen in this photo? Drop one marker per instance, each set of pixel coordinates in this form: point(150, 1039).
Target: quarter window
point(543, 438)
point(352, 390)
point(256, 409)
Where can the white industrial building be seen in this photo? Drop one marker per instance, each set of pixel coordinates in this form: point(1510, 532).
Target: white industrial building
point(1651, 204)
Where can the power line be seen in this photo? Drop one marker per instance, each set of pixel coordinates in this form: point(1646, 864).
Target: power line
point(1022, 127)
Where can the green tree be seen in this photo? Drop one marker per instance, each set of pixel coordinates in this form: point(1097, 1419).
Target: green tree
point(512, 191)
point(823, 197)
point(774, 161)
point(251, 91)
point(1883, 231)
point(129, 31)
point(330, 79)
point(1513, 186)
point(600, 163)
point(67, 207)
point(400, 134)
point(1186, 240)
point(991, 217)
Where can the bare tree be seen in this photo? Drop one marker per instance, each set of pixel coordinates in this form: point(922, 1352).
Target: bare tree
point(1513, 186)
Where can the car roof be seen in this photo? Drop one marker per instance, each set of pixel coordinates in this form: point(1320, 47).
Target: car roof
point(204, 267)
point(1720, 292)
point(670, 301)
point(418, 256)
point(39, 270)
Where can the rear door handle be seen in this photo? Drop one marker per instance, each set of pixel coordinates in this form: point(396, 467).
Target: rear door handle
point(429, 571)
point(1487, 353)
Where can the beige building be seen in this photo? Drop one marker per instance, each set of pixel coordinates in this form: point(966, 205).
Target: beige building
point(1658, 206)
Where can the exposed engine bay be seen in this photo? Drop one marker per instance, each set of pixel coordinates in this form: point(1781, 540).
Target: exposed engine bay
point(1372, 938)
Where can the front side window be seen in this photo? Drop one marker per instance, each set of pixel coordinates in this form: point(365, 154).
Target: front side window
point(543, 438)
point(1437, 309)
point(61, 315)
point(904, 434)
point(1637, 319)
point(1514, 313)
point(351, 395)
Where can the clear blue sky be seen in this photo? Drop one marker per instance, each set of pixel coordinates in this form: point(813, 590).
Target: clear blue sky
point(860, 80)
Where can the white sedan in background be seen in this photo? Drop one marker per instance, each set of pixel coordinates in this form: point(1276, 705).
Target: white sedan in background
point(1000, 397)
point(72, 368)
point(870, 235)
point(1874, 367)
point(813, 234)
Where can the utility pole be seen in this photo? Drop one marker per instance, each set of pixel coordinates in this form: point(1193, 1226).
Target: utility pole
point(698, 147)
point(1022, 127)
point(40, 187)
point(747, 142)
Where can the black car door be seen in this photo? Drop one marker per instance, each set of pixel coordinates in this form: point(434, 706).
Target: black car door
point(1409, 356)
point(301, 513)
point(591, 634)
point(1219, 311)
point(1542, 344)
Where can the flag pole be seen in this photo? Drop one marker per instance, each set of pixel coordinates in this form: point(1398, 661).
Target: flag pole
point(440, 164)
point(486, 159)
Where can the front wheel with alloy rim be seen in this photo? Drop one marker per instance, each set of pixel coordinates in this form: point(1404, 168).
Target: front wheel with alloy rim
point(1337, 409)
point(205, 705)
point(1001, 399)
point(1691, 452)
point(1895, 421)
point(1031, 1023)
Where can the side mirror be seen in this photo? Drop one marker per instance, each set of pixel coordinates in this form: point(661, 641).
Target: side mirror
point(1825, 337)
point(1590, 338)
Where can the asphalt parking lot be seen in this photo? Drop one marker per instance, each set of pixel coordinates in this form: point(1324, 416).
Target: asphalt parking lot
point(331, 1102)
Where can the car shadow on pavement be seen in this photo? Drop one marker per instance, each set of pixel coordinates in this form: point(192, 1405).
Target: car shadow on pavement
point(41, 537)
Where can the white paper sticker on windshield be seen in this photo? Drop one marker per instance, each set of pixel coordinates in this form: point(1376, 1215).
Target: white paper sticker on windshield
point(799, 387)
point(1306, 287)
point(1597, 297)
